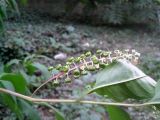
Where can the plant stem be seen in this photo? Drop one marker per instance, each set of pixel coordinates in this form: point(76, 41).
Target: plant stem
point(38, 100)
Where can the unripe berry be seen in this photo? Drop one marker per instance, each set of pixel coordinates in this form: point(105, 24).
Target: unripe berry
point(58, 67)
point(76, 73)
point(84, 72)
point(102, 65)
point(65, 68)
point(87, 54)
point(50, 68)
point(56, 83)
point(91, 68)
point(78, 59)
point(67, 80)
point(82, 56)
point(71, 59)
point(99, 51)
point(95, 59)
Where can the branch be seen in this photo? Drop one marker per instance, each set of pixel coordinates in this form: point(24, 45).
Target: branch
point(38, 100)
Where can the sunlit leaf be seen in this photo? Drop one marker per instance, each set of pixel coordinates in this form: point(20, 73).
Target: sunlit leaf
point(122, 80)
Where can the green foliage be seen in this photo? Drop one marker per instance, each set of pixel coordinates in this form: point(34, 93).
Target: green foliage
point(20, 107)
point(19, 80)
point(12, 49)
point(119, 80)
point(122, 11)
point(6, 5)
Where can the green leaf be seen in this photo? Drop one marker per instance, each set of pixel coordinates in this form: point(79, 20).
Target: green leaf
point(122, 80)
point(9, 100)
point(117, 113)
point(28, 110)
point(3, 11)
point(8, 66)
point(14, 5)
point(43, 69)
point(17, 80)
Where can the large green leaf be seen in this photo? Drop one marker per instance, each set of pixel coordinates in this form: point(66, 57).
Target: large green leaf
point(122, 80)
point(117, 113)
point(17, 80)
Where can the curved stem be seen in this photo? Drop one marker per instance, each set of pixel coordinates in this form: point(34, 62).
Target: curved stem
point(38, 100)
point(49, 80)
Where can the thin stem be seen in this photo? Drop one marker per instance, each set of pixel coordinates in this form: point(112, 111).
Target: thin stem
point(38, 100)
point(49, 80)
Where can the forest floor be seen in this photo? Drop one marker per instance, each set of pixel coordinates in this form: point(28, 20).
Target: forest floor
point(51, 38)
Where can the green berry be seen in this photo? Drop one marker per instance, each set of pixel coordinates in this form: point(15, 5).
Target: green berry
point(84, 72)
point(67, 80)
point(87, 54)
point(95, 59)
point(65, 68)
point(91, 68)
point(102, 65)
point(82, 56)
point(71, 59)
point(56, 83)
point(58, 67)
point(105, 54)
point(78, 59)
point(76, 73)
point(99, 51)
point(50, 68)
point(68, 63)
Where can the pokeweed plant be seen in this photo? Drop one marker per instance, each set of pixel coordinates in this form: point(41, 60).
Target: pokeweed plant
point(118, 79)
